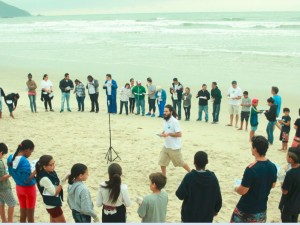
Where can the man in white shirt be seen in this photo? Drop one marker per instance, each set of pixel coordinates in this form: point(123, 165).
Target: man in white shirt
point(172, 145)
point(93, 90)
point(234, 95)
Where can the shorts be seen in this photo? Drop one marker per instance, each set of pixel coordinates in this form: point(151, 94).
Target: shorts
point(55, 212)
point(245, 116)
point(7, 197)
point(26, 196)
point(253, 128)
point(241, 217)
point(234, 109)
point(296, 142)
point(168, 154)
point(284, 137)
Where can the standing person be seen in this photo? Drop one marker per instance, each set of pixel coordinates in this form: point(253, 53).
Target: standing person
point(176, 91)
point(47, 92)
point(271, 117)
point(296, 140)
point(153, 208)
point(6, 194)
point(111, 87)
point(277, 99)
point(31, 85)
point(93, 90)
point(290, 200)
point(258, 180)
point(187, 102)
point(131, 98)
point(285, 123)
point(234, 95)
point(125, 95)
point(161, 96)
point(203, 96)
point(50, 187)
point(245, 113)
point(254, 117)
point(20, 169)
point(2, 94)
point(151, 97)
point(79, 198)
point(80, 94)
point(66, 85)
point(11, 102)
point(113, 196)
point(172, 144)
point(139, 92)
point(200, 192)
point(216, 96)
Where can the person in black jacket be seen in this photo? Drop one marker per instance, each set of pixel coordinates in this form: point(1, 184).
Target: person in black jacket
point(271, 117)
point(203, 96)
point(200, 192)
point(176, 90)
point(11, 102)
point(216, 97)
point(66, 85)
point(2, 94)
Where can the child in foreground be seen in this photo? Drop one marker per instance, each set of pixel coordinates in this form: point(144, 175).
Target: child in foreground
point(6, 194)
point(285, 123)
point(153, 208)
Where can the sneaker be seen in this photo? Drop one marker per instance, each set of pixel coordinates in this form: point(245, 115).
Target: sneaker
point(51, 110)
point(148, 114)
point(198, 120)
point(92, 111)
point(97, 111)
point(61, 111)
point(143, 114)
point(153, 115)
point(46, 110)
point(137, 114)
point(69, 110)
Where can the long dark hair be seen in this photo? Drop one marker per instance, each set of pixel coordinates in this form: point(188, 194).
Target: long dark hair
point(76, 170)
point(26, 144)
point(43, 161)
point(114, 182)
point(171, 109)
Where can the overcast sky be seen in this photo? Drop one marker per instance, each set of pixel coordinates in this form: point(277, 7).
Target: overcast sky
point(62, 7)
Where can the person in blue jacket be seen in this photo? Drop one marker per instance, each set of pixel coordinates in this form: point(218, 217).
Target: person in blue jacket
point(161, 96)
point(111, 87)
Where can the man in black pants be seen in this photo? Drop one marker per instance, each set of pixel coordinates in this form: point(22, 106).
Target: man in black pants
point(176, 90)
point(93, 90)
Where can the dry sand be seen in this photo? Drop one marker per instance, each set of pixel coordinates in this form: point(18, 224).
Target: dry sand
point(83, 137)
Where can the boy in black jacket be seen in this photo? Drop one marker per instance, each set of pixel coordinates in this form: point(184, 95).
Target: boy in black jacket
point(271, 117)
point(200, 192)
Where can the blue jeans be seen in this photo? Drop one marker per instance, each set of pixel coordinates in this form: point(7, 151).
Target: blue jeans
point(216, 112)
point(80, 101)
point(201, 109)
point(65, 96)
point(140, 104)
point(177, 103)
point(32, 102)
point(80, 218)
point(161, 107)
point(270, 130)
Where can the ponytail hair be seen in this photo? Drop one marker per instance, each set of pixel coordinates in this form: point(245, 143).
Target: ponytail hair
point(114, 183)
point(76, 170)
point(26, 144)
point(171, 109)
point(43, 161)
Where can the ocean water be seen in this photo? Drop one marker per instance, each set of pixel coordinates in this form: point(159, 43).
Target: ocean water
point(254, 48)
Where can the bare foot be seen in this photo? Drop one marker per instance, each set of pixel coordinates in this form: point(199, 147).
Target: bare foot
point(229, 125)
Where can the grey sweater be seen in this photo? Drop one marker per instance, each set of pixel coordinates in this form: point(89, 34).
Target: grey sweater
point(79, 199)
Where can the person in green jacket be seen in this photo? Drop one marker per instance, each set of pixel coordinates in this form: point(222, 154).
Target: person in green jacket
point(216, 97)
point(139, 92)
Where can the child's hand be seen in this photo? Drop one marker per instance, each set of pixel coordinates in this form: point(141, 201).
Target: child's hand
point(139, 200)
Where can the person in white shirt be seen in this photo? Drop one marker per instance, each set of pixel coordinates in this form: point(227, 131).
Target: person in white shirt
point(124, 98)
point(234, 96)
point(113, 196)
point(47, 92)
point(172, 144)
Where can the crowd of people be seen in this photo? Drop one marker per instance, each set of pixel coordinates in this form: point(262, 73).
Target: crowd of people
point(199, 190)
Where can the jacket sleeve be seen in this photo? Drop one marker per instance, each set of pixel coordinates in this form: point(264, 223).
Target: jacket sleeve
point(164, 95)
point(182, 191)
point(2, 93)
point(99, 198)
point(86, 203)
point(126, 198)
point(72, 84)
point(207, 95)
point(96, 84)
point(16, 103)
point(218, 204)
point(61, 87)
point(114, 84)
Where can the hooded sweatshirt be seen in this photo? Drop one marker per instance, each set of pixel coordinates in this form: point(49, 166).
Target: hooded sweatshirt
point(79, 199)
point(201, 195)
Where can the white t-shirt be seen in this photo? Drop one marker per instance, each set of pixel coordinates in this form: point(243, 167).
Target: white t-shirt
point(46, 85)
point(172, 126)
point(108, 86)
point(233, 93)
point(91, 88)
point(125, 94)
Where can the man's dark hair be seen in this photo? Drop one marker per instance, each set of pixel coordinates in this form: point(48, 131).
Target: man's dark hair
point(90, 77)
point(131, 79)
point(200, 160)
point(275, 90)
point(286, 110)
point(66, 74)
point(175, 79)
point(149, 79)
point(158, 179)
point(294, 153)
point(172, 110)
point(261, 144)
point(204, 85)
point(270, 100)
point(214, 83)
point(108, 75)
point(3, 148)
point(234, 82)
point(245, 92)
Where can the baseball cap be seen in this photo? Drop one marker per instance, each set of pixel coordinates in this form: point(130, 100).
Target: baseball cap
point(254, 101)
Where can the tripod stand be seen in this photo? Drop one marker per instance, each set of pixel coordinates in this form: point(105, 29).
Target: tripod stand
point(111, 150)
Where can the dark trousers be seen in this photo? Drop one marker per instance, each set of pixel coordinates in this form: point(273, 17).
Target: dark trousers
point(177, 104)
point(289, 218)
point(94, 101)
point(80, 101)
point(131, 104)
point(111, 104)
point(216, 112)
point(119, 217)
point(187, 111)
point(80, 218)
point(152, 106)
point(47, 101)
point(122, 103)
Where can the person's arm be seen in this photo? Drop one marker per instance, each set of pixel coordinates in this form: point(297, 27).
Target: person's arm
point(198, 94)
point(48, 185)
point(2, 172)
point(207, 95)
point(241, 190)
point(61, 85)
point(96, 84)
point(176, 134)
point(114, 84)
point(126, 198)
point(99, 200)
point(142, 210)
point(246, 182)
point(4, 177)
point(218, 204)
point(86, 204)
point(287, 183)
point(182, 191)
point(2, 93)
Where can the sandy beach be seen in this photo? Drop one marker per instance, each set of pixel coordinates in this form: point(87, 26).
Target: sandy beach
point(83, 137)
